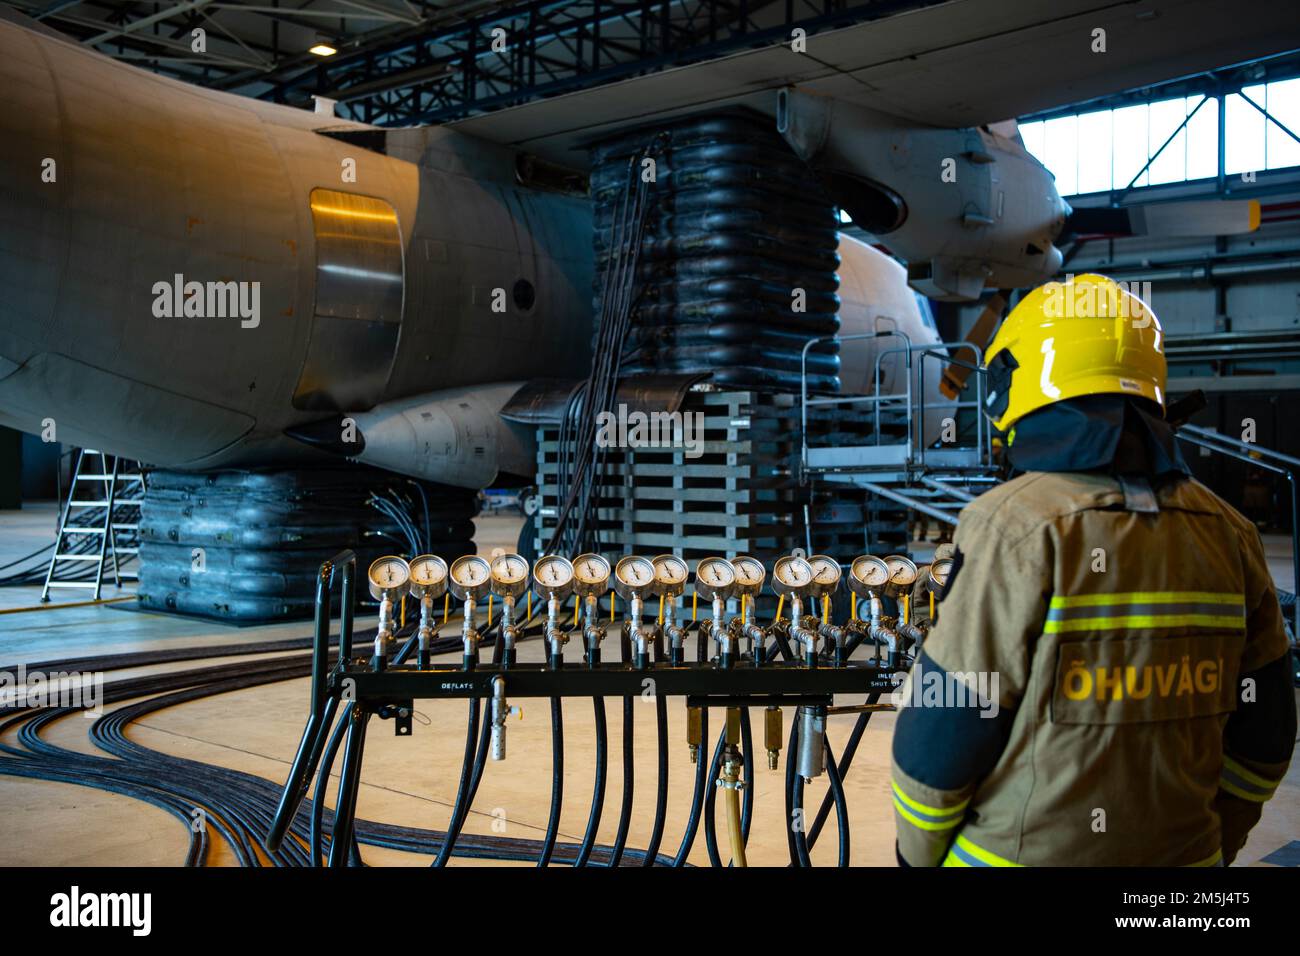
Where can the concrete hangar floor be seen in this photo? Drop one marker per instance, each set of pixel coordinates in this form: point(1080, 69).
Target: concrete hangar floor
point(410, 782)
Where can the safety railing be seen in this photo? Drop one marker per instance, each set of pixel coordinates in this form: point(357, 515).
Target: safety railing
point(913, 403)
point(1271, 461)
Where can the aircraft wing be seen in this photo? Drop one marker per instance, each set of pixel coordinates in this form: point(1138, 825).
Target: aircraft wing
point(956, 64)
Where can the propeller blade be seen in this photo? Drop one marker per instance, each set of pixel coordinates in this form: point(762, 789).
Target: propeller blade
point(1215, 217)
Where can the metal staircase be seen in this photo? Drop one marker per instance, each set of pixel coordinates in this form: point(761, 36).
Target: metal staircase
point(99, 527)
point(934, 478)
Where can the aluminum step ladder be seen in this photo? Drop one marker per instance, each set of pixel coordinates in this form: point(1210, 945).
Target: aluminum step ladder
point(99, 525)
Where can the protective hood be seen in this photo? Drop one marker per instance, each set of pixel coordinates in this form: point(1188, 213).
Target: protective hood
point(1114, 433)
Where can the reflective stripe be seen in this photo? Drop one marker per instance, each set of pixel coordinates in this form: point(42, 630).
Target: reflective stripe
point(926, 817)
point(1241, 782)
point(1236, 623)
point(965, 853)
point(1145, 609)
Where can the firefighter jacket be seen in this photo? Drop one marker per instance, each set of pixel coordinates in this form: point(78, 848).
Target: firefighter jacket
point(1104, 685)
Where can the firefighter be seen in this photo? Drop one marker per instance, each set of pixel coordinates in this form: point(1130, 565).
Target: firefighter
point(1108, 683)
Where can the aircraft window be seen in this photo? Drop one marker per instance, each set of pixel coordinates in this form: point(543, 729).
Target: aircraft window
point(524, 295)
point(358, 309)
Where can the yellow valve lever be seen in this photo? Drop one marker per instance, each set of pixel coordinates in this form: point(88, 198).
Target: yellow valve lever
point(446, 607)
point(530, 604)
point(611, 607)
point(931, 607)
point(577, 606)
point(853, 610)
point(826, 609)
point(780, 603)
point(695, 604)
point(490, 597)
point(661, 610)
point(403, 611)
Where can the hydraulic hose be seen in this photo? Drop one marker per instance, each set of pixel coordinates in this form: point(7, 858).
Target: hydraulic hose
point(697, 797)
point(846, 761)
point(792, 796)
point(625, 811)
point(747, 753)
point(710, 809)
point(238, 806)
point(598, 787)
point(557, 782)
point(460, 807)
point(841, 805)
point(661, 795)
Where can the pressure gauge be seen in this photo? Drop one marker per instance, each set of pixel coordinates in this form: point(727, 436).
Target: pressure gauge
point(634, 576)
point(868, 575)
point(553, 576)
point(388, 577)
point(826, 574)
point(670, 575)
point(470, 577)
point(509, 575)
point(750, 574)
point(940, 569)
point(428, 576)
point(945, 550)
point(590, 575)
point(714, 577)
point(791, 575)
point(902, 571)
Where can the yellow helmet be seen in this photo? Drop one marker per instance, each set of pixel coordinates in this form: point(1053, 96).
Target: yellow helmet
point(1086, 336)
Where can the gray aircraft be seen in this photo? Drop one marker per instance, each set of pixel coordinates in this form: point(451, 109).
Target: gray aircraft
point(202, 280)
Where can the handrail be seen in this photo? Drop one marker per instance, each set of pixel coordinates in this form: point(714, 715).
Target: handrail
point(1249, 447)
point(934, 350)
point(1251, 454)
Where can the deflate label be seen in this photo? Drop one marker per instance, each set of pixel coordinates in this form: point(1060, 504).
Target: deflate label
point(1137, 680)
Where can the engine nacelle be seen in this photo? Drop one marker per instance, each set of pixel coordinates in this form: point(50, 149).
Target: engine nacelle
point(966, 209)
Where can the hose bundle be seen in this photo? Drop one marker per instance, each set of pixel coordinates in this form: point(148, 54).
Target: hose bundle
point(242, 546)
point(737, 254)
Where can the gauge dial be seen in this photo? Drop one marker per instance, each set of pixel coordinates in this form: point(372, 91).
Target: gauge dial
point(590, 575)
point(714, 577)
point(509, 575)
point(940, 569)
point(902, 571)
point(750, 574)
point(388, 575)
point(868, 574)
point(826, 574)
point(634, 576)
point(553, 574)
point(670, 575)
point(428, 576)
point(791, 575)
point(470, 576)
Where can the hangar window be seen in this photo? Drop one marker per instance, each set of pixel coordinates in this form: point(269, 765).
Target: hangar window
point(358, 309)
point(1170, 140)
